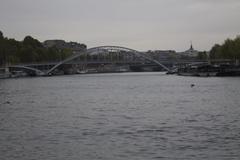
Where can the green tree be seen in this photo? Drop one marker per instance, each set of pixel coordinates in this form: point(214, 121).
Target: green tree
point(64, 53)
point(29, 41)
point(202, 55)
point(27, 55)
point(215, 52)
point(53, 54)
point(2, 51)
point(237, 47)
point(1, 35)
point(227, 49)
point(230, 49)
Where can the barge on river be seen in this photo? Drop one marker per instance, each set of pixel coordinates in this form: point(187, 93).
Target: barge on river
point(205, 70)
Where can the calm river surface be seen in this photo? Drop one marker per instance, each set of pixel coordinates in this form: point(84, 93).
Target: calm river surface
point(123, 116)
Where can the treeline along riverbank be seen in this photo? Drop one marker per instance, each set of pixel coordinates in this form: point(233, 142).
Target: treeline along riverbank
point(230, 49)
point(30, 50)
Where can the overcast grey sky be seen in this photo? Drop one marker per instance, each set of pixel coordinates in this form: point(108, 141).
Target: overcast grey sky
point(138, 24)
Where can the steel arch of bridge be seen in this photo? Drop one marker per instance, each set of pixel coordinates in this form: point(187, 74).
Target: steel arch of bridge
point(37, 71)
point(96, 50)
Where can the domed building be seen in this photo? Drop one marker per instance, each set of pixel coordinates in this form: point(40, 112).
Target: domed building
point(191, 52)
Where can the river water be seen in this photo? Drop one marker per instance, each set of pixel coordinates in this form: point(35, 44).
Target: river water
point(122, 116)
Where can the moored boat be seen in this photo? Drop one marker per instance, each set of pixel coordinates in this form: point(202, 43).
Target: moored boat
point(206, 70)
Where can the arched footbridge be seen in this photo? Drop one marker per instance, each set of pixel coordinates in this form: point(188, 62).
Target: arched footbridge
point(101, 49)
point(28, 69)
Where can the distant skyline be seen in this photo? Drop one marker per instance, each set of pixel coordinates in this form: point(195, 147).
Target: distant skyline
point(137, 24)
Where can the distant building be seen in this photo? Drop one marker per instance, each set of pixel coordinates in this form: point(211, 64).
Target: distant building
point(169, 55)
point(61, 44)
point(162, 54)
point(191, 52)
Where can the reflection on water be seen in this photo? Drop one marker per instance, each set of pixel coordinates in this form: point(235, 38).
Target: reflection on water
point(119, 116)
